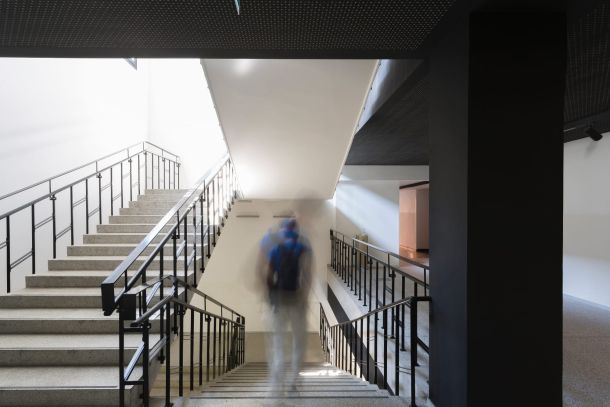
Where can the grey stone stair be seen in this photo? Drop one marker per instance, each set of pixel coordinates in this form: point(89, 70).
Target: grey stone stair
point(56, 346)
point(317, 384)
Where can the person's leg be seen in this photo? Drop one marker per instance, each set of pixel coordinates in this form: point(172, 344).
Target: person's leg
point(276, 350)
point(298, 319)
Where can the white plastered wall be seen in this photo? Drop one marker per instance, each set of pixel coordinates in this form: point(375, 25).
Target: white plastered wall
point(56, 114)
point(586, 220)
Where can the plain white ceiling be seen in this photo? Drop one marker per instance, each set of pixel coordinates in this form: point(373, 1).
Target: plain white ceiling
point(288, 123)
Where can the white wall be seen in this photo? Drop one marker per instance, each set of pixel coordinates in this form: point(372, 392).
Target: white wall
point(230, 274)
point(182, 117)
point(58, 113)
point(369, 207)
point(586, 220)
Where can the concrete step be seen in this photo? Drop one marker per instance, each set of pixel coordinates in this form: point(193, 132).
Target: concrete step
point(128, 238)
point(134, 219)
point(144, 211)
point(118, 249)
point(165, 192)
point(64, 297)
point(81, 278)
point(61, 386)
point(59, 321)
point(64, 350)
point(109, 263)
point(139, 228)
point(163, 205)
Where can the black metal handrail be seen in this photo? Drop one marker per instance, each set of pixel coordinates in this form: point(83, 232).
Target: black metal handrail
point(346, 346)
point(197, 220)
point(218, 190)
point(170, 178)
point(138, 310)
point(358, 267)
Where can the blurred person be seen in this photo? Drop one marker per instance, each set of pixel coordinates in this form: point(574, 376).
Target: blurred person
point(285, 273)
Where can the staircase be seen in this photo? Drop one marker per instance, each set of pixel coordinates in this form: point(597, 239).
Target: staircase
point(319, 384)
point(56, 346)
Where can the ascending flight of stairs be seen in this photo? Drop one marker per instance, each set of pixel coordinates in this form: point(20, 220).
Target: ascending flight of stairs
point(319, 384)
point(56, 346)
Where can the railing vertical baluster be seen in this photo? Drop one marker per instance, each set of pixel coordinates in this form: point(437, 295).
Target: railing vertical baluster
point(202, 268)
point(194, 243)
point(361, 347)
point(33, 223)
point(71, 215)
point(145, 170)
point(385, 348)
point(121, 360)
point(111, 194)
point(360, 276)
point(402, 320)
point(366, 262)
point(207, 352)
point(175, 270)
point(393, 277)
point(130, 180)
point(54, 222)
point(200, 349)
point(397, 358)
point(413, 309)
point(161, 296)
point(376, 286)
point(370, 264)
point(138, 182)
point(122, 181)
point(168, 348)
point(163, 172)
point(214, 350)
point(178, 175)
point(220, 353)
point(99, 196)
point(207, 204)
point(192, 350)
point(214, 217)
point(376, 366)
point(186, 267)
point(181, 352)
point(8, 253)
point(368, 345)
point(146, 364)
point(158, 171)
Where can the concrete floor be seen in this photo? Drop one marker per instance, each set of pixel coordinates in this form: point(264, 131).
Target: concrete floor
point(586, 354)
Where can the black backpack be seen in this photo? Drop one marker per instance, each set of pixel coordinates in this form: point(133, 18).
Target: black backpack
point(285, 267)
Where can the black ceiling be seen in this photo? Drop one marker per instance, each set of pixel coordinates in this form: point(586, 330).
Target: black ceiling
point(397, 134)
point(212, 28)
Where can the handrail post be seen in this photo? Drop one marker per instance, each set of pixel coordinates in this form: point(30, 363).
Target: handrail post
point(413, 348)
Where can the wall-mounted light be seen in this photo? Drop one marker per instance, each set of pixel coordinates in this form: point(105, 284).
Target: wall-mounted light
point(594, 134)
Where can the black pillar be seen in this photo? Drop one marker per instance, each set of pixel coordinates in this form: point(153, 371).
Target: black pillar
point(496, 168)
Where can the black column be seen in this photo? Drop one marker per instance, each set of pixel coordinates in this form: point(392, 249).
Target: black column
point(496, 168)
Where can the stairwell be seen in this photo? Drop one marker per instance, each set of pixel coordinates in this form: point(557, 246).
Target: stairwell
point(56, 346)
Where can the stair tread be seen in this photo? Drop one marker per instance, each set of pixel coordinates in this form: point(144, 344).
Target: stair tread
point(66, 341)
point(39, 377)
point(54, 313)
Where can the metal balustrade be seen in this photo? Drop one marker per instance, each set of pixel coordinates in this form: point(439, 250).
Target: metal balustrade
point(361, 265)
point(134, 165)
point(143, 300)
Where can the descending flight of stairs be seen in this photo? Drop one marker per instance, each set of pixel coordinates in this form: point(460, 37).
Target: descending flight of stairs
point(56, 347)
point(319, 384)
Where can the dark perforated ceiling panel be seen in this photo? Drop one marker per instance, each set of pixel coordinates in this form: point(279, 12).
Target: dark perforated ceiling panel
point(213, 28)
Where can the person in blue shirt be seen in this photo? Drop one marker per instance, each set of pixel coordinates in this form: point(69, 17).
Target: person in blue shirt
point(285, 272)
